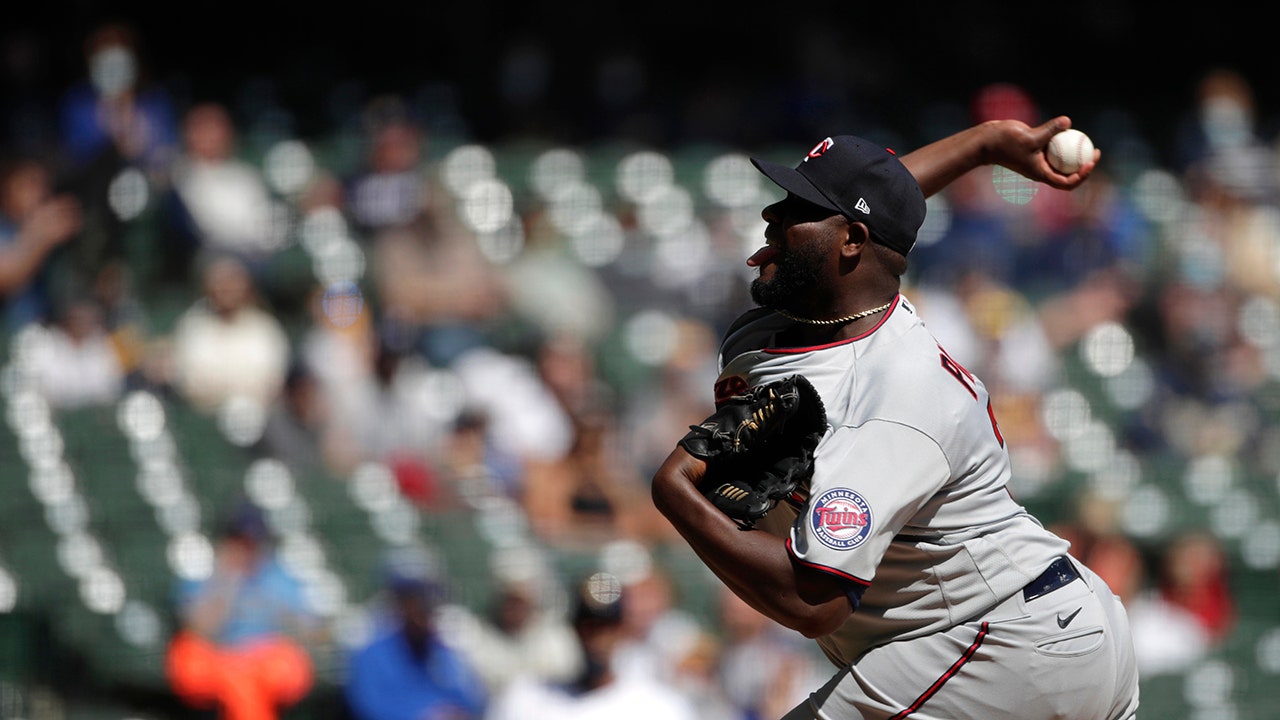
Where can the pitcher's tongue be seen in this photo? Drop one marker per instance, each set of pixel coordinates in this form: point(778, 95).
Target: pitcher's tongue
point(763, 255)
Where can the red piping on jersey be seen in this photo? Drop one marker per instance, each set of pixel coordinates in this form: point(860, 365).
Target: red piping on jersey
point(950, 673)
point(811, 348)
point(828, 570)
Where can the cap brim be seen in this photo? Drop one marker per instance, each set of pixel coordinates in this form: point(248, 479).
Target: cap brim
point(792, 181)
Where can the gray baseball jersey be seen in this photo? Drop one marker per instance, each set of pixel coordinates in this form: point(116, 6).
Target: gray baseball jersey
point(908, 506)
point(908, 501)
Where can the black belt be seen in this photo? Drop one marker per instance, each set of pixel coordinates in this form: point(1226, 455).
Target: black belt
point(1060, 572)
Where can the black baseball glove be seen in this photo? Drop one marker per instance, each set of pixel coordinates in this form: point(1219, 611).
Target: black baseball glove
point(758, 447)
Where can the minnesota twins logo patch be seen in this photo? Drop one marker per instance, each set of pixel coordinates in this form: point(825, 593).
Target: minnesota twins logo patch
point(840, 519)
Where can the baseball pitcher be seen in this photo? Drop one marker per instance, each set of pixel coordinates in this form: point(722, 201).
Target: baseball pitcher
point(851, 483)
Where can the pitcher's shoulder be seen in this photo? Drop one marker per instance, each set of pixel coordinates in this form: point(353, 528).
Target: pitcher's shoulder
point(752, 330)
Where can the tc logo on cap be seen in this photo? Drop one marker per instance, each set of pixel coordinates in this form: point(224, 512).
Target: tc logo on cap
point(820, 148)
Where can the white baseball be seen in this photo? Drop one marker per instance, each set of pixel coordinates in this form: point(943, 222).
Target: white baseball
point(1069, 150)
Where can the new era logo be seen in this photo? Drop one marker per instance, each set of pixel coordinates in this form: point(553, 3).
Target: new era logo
point(862, 206)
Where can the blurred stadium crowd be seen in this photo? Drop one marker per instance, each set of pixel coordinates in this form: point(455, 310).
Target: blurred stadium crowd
point(393, 339)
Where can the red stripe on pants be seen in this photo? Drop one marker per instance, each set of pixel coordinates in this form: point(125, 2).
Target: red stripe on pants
point(950, 673)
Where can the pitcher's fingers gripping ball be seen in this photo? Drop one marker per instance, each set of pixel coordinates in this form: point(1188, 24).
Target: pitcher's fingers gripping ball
point(759, 447)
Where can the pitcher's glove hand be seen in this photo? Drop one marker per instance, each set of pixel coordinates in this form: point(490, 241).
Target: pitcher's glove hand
point(759, 447)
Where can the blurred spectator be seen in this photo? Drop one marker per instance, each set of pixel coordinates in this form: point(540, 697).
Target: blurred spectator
point(525, 419)
point(1179, 604)
point(1219, 138)
point(115, 116)
point(567, 366)
point(1166, 638)
point(221, 202)
point(433, 281)
point(473, 466)
point(436, 287)
point(523, 632)
point(600, 691)
point(242, 643)
point(339, 347)
point(1082, 235)
point(77, 363)
point(598, 491)
point(227, 345)
point(114, 123)
point(395, 417)
point(551, 289)
point(390, 190)
point(1104, 296)
point(34, 222)
point(1235, 187)
point(979, 230)
point(126, 318)
point(1203, 366)
point(407, 671)
point(761, 669)
point(1194, 576)
point(594, 493)
point(660, 635)
point(298, 429)
point(658, 412)
point(664, 642)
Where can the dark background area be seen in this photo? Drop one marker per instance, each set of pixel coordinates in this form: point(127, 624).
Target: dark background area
point(726, 72)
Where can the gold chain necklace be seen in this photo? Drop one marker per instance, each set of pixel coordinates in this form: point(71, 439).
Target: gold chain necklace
point(839, 320)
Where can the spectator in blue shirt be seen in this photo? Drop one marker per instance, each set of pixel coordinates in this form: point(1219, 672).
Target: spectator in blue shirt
point(407, 672)
point(242, 644)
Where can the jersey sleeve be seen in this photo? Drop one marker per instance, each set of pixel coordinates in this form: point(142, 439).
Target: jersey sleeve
point(868, 483)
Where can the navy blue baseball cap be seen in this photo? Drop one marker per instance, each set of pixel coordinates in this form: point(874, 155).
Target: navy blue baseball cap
point(861, 180)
